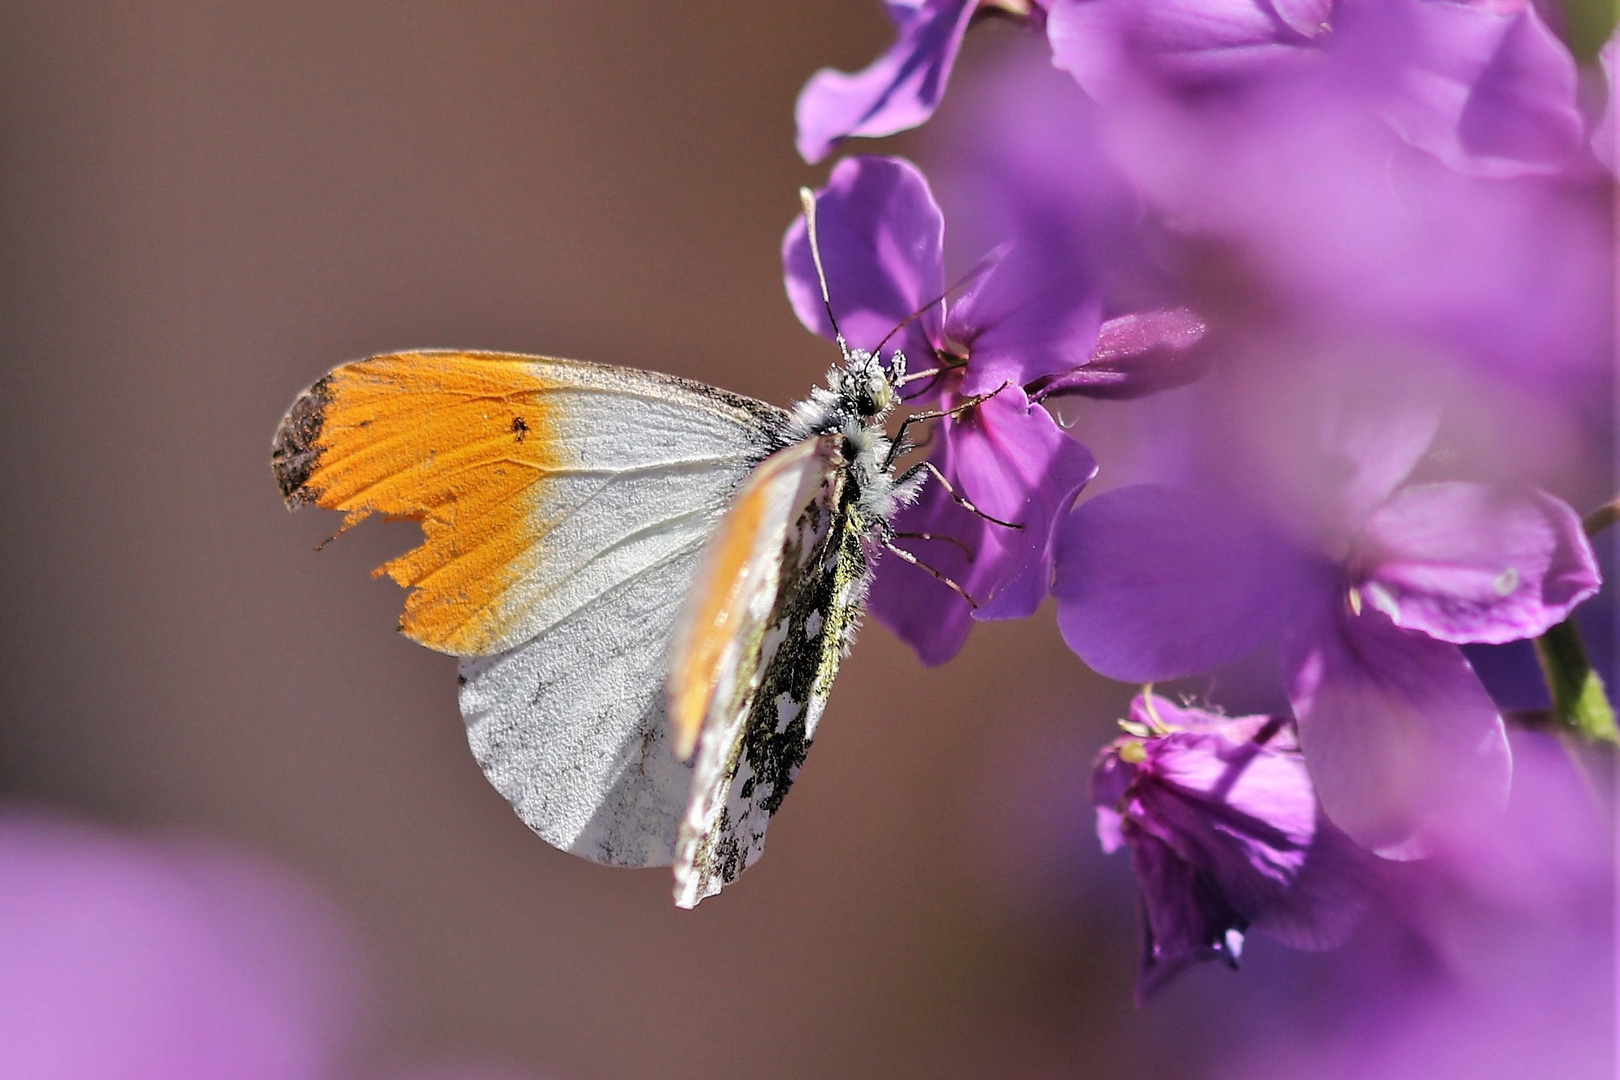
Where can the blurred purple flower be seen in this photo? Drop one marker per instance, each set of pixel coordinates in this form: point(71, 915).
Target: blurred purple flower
point(901, 88)
point(1603, 127)
point(1492, 960)
point(1486, 87)
point(1115, 47)
point(1225, 834)
point(158, 959)
point(1136, 354)
point(1030, 312)
point(128, 957)
point(1489, 242)
point(1370, 591)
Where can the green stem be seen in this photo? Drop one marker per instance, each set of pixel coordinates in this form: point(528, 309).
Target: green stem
point(1580, 705)
point(1601, 518)
point(1579, 702)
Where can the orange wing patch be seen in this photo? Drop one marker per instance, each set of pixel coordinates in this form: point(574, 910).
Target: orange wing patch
point(460, 442)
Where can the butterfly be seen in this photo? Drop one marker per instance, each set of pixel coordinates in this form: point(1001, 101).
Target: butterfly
point(650, 582)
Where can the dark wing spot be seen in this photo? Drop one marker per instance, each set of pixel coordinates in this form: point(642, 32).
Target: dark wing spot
point(296, 450)
point(520, 427)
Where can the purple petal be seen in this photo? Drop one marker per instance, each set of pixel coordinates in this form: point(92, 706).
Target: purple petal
point(1396, 728)
point(1316, 442)
point(1110, 782)
point(898, 91)
point(1245, 810)
point(1155, 711)
point(1185, 43)
point(1307, 18)
point(1157, 583)
point(1475, 562)
point(1230, 806)
point(1488, 93)
point(1035, 313)
point(1015, 463)
point(1136, 355)
point(1184, 918)
point(881, 236)
point(1372, 443)
point(1012, 461)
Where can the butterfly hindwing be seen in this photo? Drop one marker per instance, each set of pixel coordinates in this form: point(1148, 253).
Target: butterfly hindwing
point(564, 507)
point(755, 670)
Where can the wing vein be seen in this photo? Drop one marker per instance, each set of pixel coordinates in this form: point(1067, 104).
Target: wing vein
point(647, 530)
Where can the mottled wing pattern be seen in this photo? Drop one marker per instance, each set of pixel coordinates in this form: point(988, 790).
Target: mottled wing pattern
point(757, 678)
point(565, 507)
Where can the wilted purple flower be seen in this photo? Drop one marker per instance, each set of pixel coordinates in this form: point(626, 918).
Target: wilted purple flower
point(1370, 588)
point(1024, 317)
point(1225, 834)
point(901, 88)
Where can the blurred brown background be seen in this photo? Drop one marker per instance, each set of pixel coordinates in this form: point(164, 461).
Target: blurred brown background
point(205, 206)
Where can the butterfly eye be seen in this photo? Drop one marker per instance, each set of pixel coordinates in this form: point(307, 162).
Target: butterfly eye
point(879, 394)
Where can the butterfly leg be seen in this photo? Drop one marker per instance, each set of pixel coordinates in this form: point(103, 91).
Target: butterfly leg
point(899, 446)
point(933, 375)
point(961, 500)
point(942, 538)
point(941, 578)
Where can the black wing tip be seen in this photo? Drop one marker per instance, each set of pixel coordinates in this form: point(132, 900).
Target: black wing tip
point(295, 452)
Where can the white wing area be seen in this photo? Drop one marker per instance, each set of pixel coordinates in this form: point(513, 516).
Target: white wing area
point(570, 725)
point(648, 466)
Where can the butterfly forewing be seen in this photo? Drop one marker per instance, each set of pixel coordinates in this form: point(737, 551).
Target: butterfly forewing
point(753, 665)
point(564, 508)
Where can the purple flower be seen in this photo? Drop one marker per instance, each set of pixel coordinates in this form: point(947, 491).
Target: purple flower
point(1225, 834)
point(900, 89)
point(1369, 587)
point(1419, 172)
point(1032, 312)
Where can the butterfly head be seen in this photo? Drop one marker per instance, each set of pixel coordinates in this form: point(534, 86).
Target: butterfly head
point(866, 388)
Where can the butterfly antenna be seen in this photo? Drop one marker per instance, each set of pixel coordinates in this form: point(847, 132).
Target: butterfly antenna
point(808, 199)
point(961, 283)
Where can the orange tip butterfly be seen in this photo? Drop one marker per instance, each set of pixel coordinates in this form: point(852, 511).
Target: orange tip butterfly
point(650, 582)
